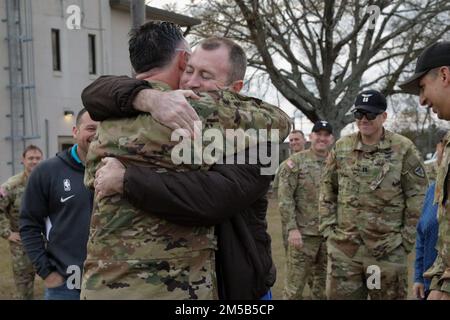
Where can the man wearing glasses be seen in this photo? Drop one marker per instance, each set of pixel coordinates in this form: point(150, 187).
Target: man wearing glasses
point(371, 193)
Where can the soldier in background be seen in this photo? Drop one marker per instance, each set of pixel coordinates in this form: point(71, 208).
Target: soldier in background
point(371, 193)
point(10, 200)
point(431, 82)
point(297, 143)
point(298, 200)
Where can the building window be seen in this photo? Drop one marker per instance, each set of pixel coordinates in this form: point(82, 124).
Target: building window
point(92, 64)
point(56, 50)
point(65, 142)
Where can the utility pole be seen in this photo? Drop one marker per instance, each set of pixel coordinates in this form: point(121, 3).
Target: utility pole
point(137, 9)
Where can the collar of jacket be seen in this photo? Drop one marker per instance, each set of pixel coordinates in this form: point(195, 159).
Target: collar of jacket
point(159, 85)
point(24, 177)
point(384, 143)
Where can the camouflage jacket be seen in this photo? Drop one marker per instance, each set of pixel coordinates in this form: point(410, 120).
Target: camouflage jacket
point(10, 198)
point(372, 194)
point(440, 270)
point(120, 231)
point(276, 179)
point(298, 193)
point(431, 169)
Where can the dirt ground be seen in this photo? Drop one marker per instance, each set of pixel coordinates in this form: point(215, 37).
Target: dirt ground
point(7, 283)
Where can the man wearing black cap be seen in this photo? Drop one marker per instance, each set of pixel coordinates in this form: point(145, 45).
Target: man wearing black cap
point(298, 199)
point(431, 82)
point(370, 198)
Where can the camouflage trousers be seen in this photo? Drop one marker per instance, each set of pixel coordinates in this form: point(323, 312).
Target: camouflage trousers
point(363, 276)
point(23, 272)
point(184, 278)
point(284, 233)
point(306, 265)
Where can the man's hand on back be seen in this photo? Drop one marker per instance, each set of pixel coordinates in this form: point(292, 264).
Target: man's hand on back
point(109, 178)
point(170, 108)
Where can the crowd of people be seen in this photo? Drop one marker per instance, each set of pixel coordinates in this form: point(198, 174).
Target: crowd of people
point(114, 217)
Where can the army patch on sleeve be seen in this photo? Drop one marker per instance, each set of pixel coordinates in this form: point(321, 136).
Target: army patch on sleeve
point(290, 163)
point(419, 172)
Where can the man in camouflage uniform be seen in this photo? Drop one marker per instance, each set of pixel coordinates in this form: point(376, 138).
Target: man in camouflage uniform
point(371, 194)
point(10, 199)
point(136, 255)
point(431, 81)
point(298, 199)
point(296, 144)
point(431, 167)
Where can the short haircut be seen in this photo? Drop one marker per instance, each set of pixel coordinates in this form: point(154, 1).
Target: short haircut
point(434, 72)
point(237, 58)
point(153, 45)
point(30, 148)
point(297, 131)
point(79, 115)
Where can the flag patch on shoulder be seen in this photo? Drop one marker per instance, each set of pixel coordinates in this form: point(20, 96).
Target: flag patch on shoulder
point(290, 163)
point(419, 172)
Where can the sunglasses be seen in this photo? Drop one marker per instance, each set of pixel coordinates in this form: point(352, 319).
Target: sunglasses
point(369, 115)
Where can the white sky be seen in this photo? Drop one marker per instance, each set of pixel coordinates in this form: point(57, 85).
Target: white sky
point(161, 3)
point(301, 122)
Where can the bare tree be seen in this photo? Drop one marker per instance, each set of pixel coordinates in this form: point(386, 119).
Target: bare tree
point(320, 54)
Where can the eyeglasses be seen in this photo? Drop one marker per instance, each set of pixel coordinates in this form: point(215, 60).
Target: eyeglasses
point(369, 115)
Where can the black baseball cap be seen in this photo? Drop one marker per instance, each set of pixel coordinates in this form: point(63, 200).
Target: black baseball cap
point(322, 125)
point(371, 101)
point(434, 56)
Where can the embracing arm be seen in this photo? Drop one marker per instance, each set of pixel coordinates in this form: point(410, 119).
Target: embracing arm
point(196, 197)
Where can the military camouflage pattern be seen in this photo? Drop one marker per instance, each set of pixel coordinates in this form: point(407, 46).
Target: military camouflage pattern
point(371, 196)
point(275, 186)
point(431, 169)
point(136, 255)
point(347, 276)
point(10, 199)
point(298, 192)
point(298, 201)
point(307, 265)
point(23, 272)
point(439, 272)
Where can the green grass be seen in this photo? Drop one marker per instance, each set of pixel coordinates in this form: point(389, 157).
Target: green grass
point(274, 222)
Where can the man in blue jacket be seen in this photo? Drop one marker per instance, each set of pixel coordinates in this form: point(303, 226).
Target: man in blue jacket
point(56, 204)
point(427, 233)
